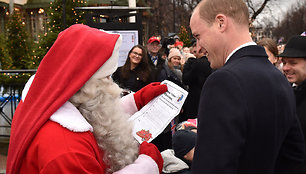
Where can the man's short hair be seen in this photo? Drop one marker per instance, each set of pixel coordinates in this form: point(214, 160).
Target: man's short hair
point(236, 9)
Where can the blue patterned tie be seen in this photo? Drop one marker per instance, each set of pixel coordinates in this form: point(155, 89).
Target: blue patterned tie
point(154, 59)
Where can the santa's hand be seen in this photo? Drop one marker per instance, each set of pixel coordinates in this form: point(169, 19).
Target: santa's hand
point(147, 93)
point(152, 151)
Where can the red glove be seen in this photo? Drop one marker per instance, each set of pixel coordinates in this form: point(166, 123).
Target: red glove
point(147, 93)
point(152, 151)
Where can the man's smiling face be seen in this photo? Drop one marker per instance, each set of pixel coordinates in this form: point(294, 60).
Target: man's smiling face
point(294, 69)
point(208, 41)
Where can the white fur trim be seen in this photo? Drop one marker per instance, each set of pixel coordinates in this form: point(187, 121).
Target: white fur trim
point(27, 87)
point(144, 164)
point(128, 104)
point(69, 117)
point(110, 66)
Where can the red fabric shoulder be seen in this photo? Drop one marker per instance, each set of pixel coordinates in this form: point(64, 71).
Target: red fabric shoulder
point(56, 149)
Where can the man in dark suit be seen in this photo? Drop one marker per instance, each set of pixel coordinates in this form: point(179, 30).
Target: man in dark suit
point(157, 62)
point(294, 67)
point(247, 115)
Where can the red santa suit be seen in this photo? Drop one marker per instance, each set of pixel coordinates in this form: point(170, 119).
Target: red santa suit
point(49, 134)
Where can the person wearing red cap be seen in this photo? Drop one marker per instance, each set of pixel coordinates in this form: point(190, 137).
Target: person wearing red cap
point(179, 45)
point(71, 118)
point(156, 63)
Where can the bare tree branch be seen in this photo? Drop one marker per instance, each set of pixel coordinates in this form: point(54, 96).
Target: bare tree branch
point(250, 5)
point(257, 12)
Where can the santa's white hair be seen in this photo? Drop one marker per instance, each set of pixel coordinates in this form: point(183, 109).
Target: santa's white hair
point(99, 102)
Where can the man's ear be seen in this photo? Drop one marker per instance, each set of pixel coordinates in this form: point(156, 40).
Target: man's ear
point(221, 21)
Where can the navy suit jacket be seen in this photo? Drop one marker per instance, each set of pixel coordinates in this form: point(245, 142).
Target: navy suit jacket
point(247, 119)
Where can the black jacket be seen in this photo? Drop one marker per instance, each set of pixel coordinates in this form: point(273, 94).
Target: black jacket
point(156, 68)
point(195, 73)
point(300, 94)
point(247, 119)
point(134, 81)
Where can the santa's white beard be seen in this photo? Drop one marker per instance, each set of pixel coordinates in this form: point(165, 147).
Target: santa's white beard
point(99, 102)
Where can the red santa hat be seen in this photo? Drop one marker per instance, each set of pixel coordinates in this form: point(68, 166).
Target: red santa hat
point(79, 53)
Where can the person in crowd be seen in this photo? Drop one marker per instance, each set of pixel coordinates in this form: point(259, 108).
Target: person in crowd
point(172, 68)
point(190, 124)
point(194, 51)
point(136, 72)
point(179, 45)
point(164, 53)
point(71, 119)
point(157, 62)
point(280, 48)
point(178, 160)
point(247, 116)
point(294, 67)
point(195, 72)
point(176, 38)
point(175, 43)
point(272, 51)
point(186, 50)
point(186, 54)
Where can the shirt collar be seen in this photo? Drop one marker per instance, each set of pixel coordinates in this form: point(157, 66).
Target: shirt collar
point(241, 46)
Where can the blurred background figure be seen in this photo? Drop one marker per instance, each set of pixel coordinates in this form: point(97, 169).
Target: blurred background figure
point(167, 44)
point(178, 159)
point(186, 50)
point(186, 54)
point(172, 68)
point(190, 124)
point(136, 72)
point(195, 72)
point(179, 45)
point(280, 48)
point(156, 61)
point(272, 51)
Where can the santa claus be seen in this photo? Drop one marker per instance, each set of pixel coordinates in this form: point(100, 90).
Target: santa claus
point(71, 118)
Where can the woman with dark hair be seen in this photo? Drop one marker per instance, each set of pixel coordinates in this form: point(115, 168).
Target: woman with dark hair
point(136, 72)
point(271, 50)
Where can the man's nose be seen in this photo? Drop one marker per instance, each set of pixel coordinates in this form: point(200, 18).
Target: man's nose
point(286, 67)
point(199, 48)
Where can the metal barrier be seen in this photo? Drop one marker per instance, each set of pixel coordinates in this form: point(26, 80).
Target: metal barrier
point(10, 95)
